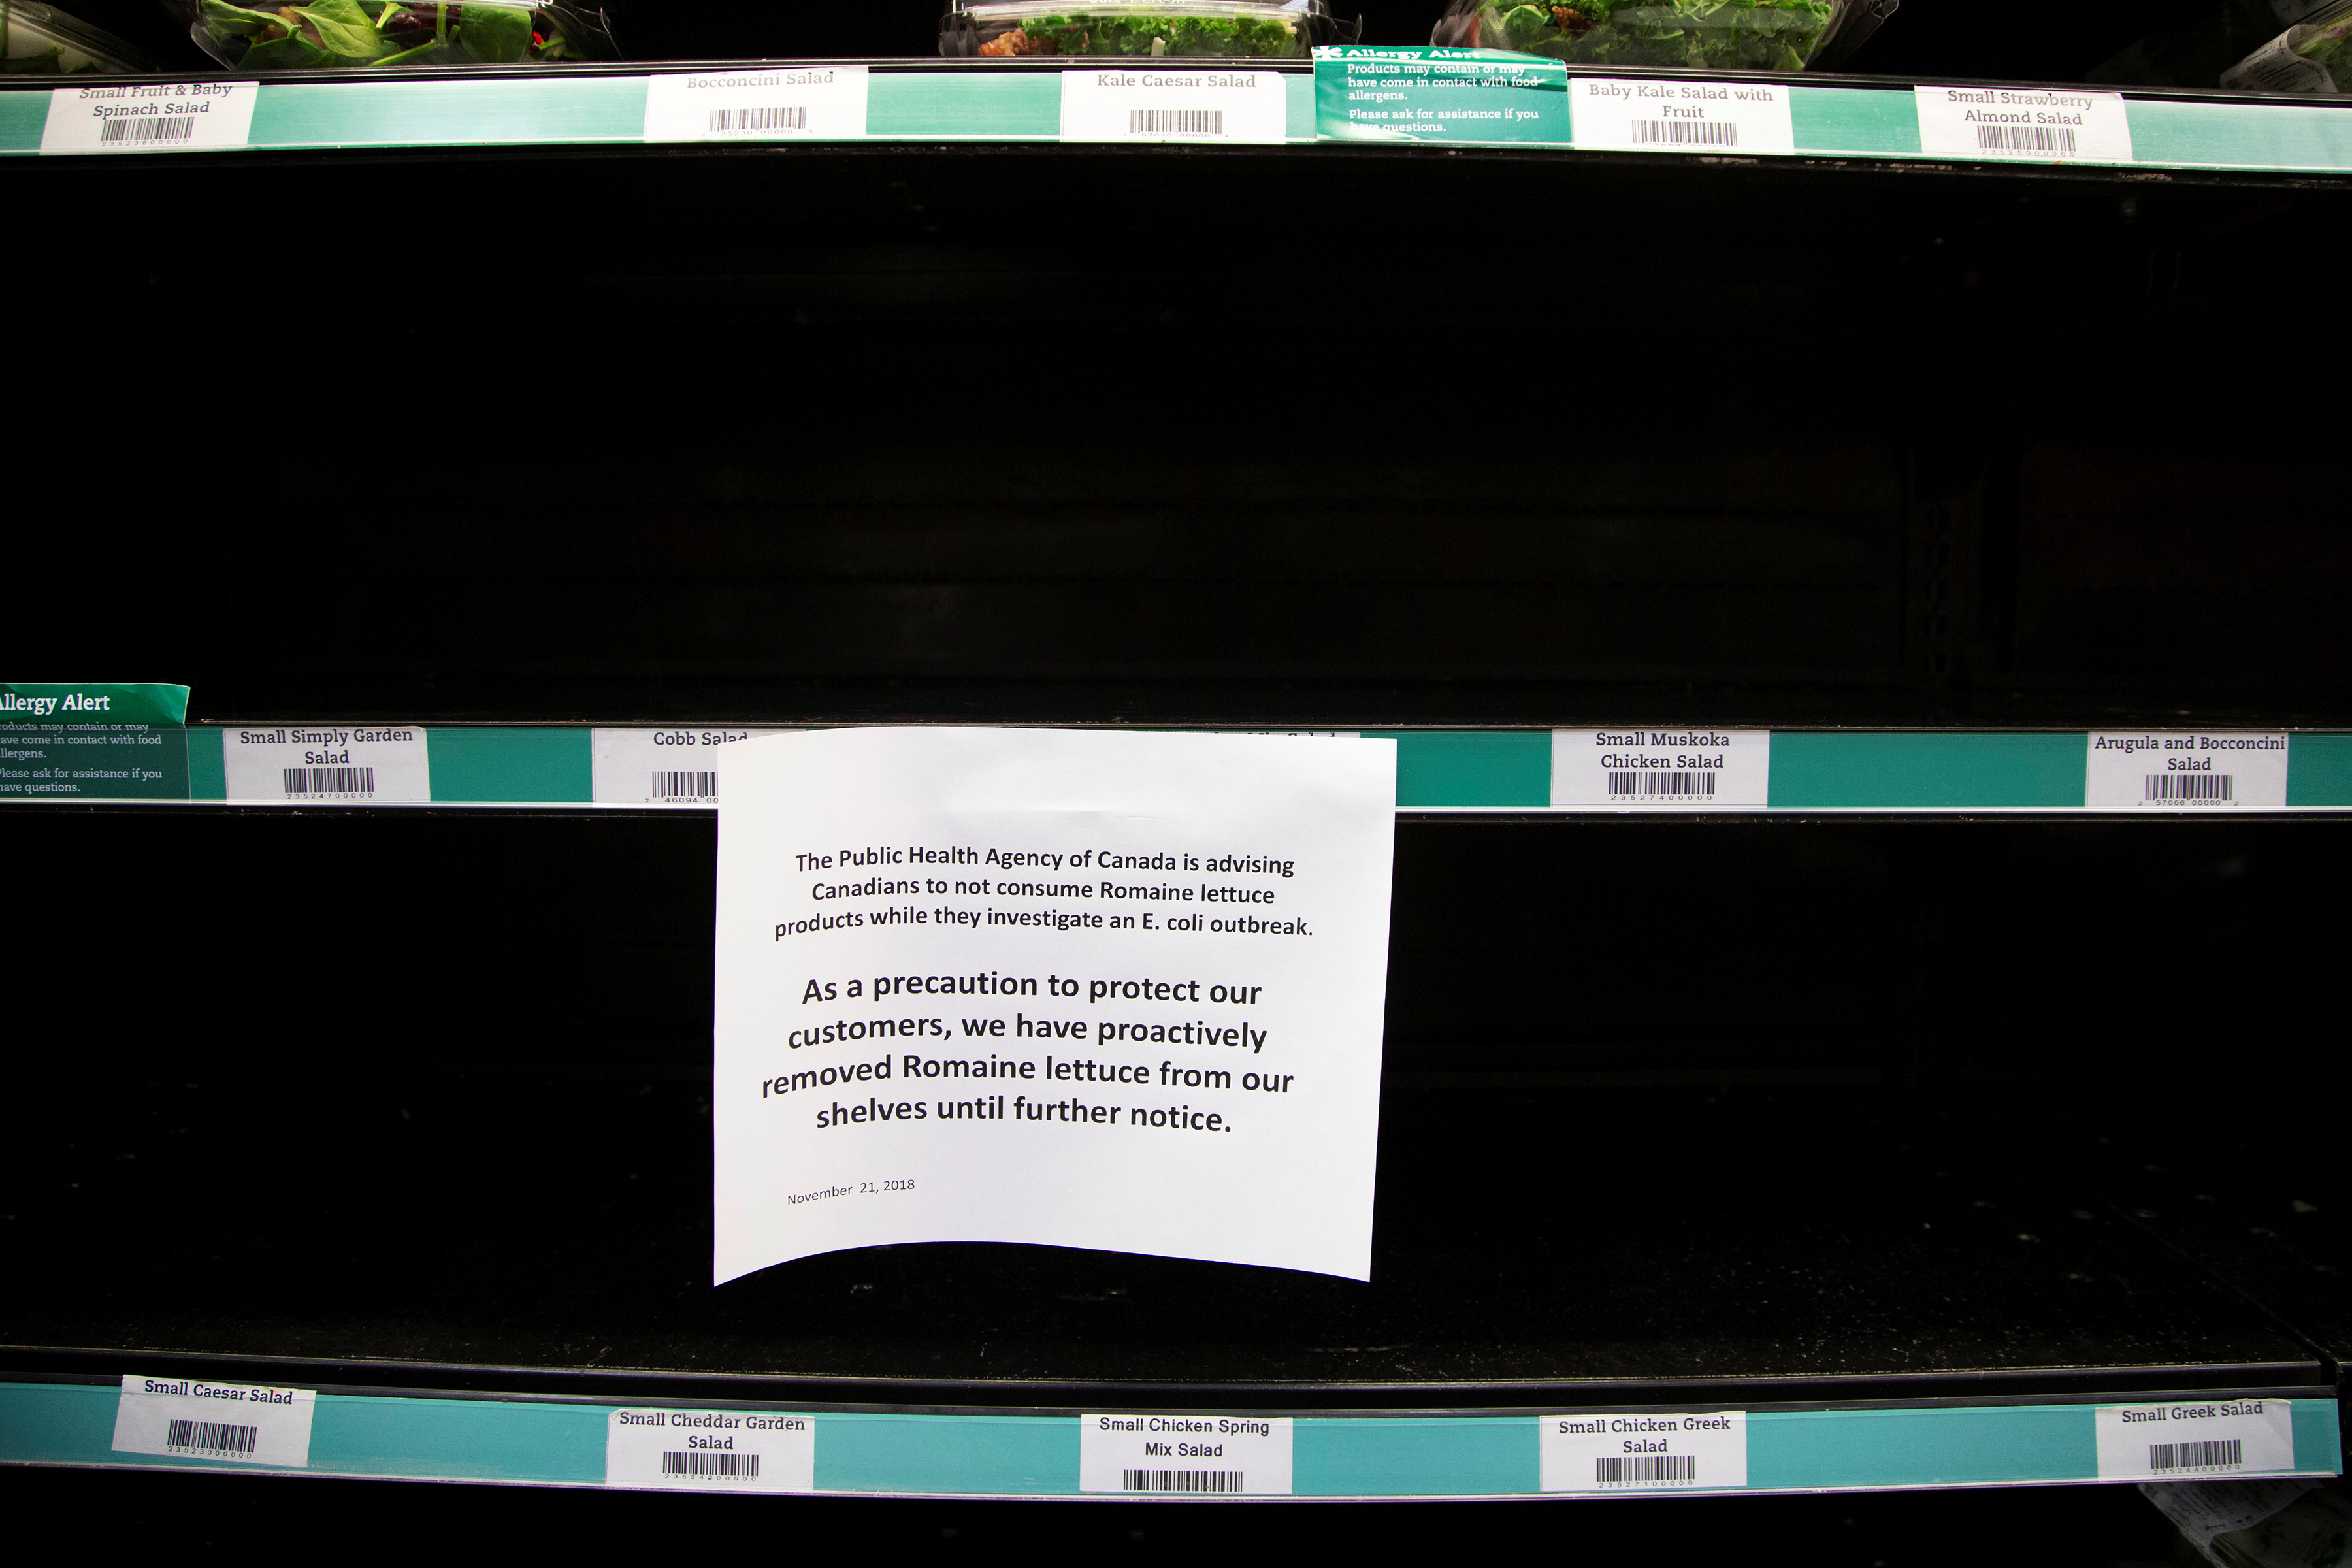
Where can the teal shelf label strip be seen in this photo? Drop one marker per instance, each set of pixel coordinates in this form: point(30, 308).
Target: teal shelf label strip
point(504, 112)
point(980, 1454)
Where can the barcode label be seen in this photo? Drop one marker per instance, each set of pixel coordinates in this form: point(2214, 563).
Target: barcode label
point(2194, 1439)
point(189, 1418)
point(1175, 123)
point(2217, 1454)
point(2055, 140)
point(1685, 133)
point(2189, 786)
point(329, 781)
point(1602, 1451)
point(213, 1438)
point(2022, 122)
point(1644, 1469)
point(720, 1466)
point(731, 121)
point(167, 128)
point(1182, 1481)
point(1661, 786)
point(686, 785)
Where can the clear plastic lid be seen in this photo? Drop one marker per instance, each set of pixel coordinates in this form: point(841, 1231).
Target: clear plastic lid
point(37, 40)
point(325, 34)
point(1696, 35)
point(1224, 29)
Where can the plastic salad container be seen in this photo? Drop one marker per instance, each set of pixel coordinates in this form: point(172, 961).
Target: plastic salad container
point(1703, 34)
point(2312, 55)
point(1222, 29)
point(330, 33)
point(37, 41)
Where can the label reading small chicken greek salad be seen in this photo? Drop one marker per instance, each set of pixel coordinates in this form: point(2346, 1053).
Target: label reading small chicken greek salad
point(163, 117)
point(1681, 768)
point(677, 765)
point(822, 103)
point(1173, 103)
point(329, 763)
point(1616, 114)
point(1185, 1456)
point(711, 1450)
point(191, 1418)
point(2195, 1440)
point(2131, 770)
point(1682, 1450)
point(2039, 125)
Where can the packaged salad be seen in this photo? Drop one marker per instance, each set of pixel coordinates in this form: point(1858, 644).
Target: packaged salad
point(1215, 29)
point(331, 32)
point(35, 41)
point(1702, 35)
point(2311, 57)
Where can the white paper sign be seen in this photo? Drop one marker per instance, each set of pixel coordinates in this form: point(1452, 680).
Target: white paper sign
point(677, 765)
point(189, 1418)
point(1185, 1456)
point(1179, 101)
point(711, 1450)
point(1686, 768)
point(2172, 770)
point(329, 763)
point(1087, 989)
point(2039, 125)
point(164, 117)
point(1619, 114)
point(1677, 1451)
point(2209, 1440)
point(779, 103)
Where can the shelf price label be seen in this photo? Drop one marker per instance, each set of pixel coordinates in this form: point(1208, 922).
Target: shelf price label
point(159, 117)
point(326, 764)
point(2169, 770)
point(674, 766)
point(2046, 125)
point(1683, 768)
point(1189, 104)
point(820, 103)
point(1621, 115)
point(1700, 1451)
point(1185, 1456)
point(190, 1418)
point(2195, 1440)
point(711, 1450)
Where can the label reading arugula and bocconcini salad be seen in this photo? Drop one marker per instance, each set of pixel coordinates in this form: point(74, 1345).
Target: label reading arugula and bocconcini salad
point(2128, 770)
point(326, 764)
point(1703, 1450)
point(1680, 768)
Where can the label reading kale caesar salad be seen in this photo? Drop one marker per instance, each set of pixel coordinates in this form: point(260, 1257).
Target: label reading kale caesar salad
point(1176, 103)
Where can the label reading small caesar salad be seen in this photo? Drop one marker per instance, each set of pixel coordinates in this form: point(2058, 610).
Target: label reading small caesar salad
point(163, 117)
point(1185, 1456)
point(332, 765)
point(826, 103)
point(2212, 1439)
point(1681, 768)
point(1678, 1451)
point(2038, 125)
point(2132, 769)
point(190, 1418)
point(1173, 103)
point(1615, 114)
point(711, 1450)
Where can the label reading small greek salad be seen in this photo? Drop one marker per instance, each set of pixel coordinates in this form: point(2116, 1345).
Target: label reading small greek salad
point(781, 104)
point(677, 765)
point(329, 763)
point(2130, 770)
point(190, 1418)
point(2195, 1440)
point(1617, 114)
point(165, 117)
point(1687, 768)
point(2047, 125)
point(1173, 103)
point(1185, 1456)
point(1693, 1451)
point(711, 1450)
